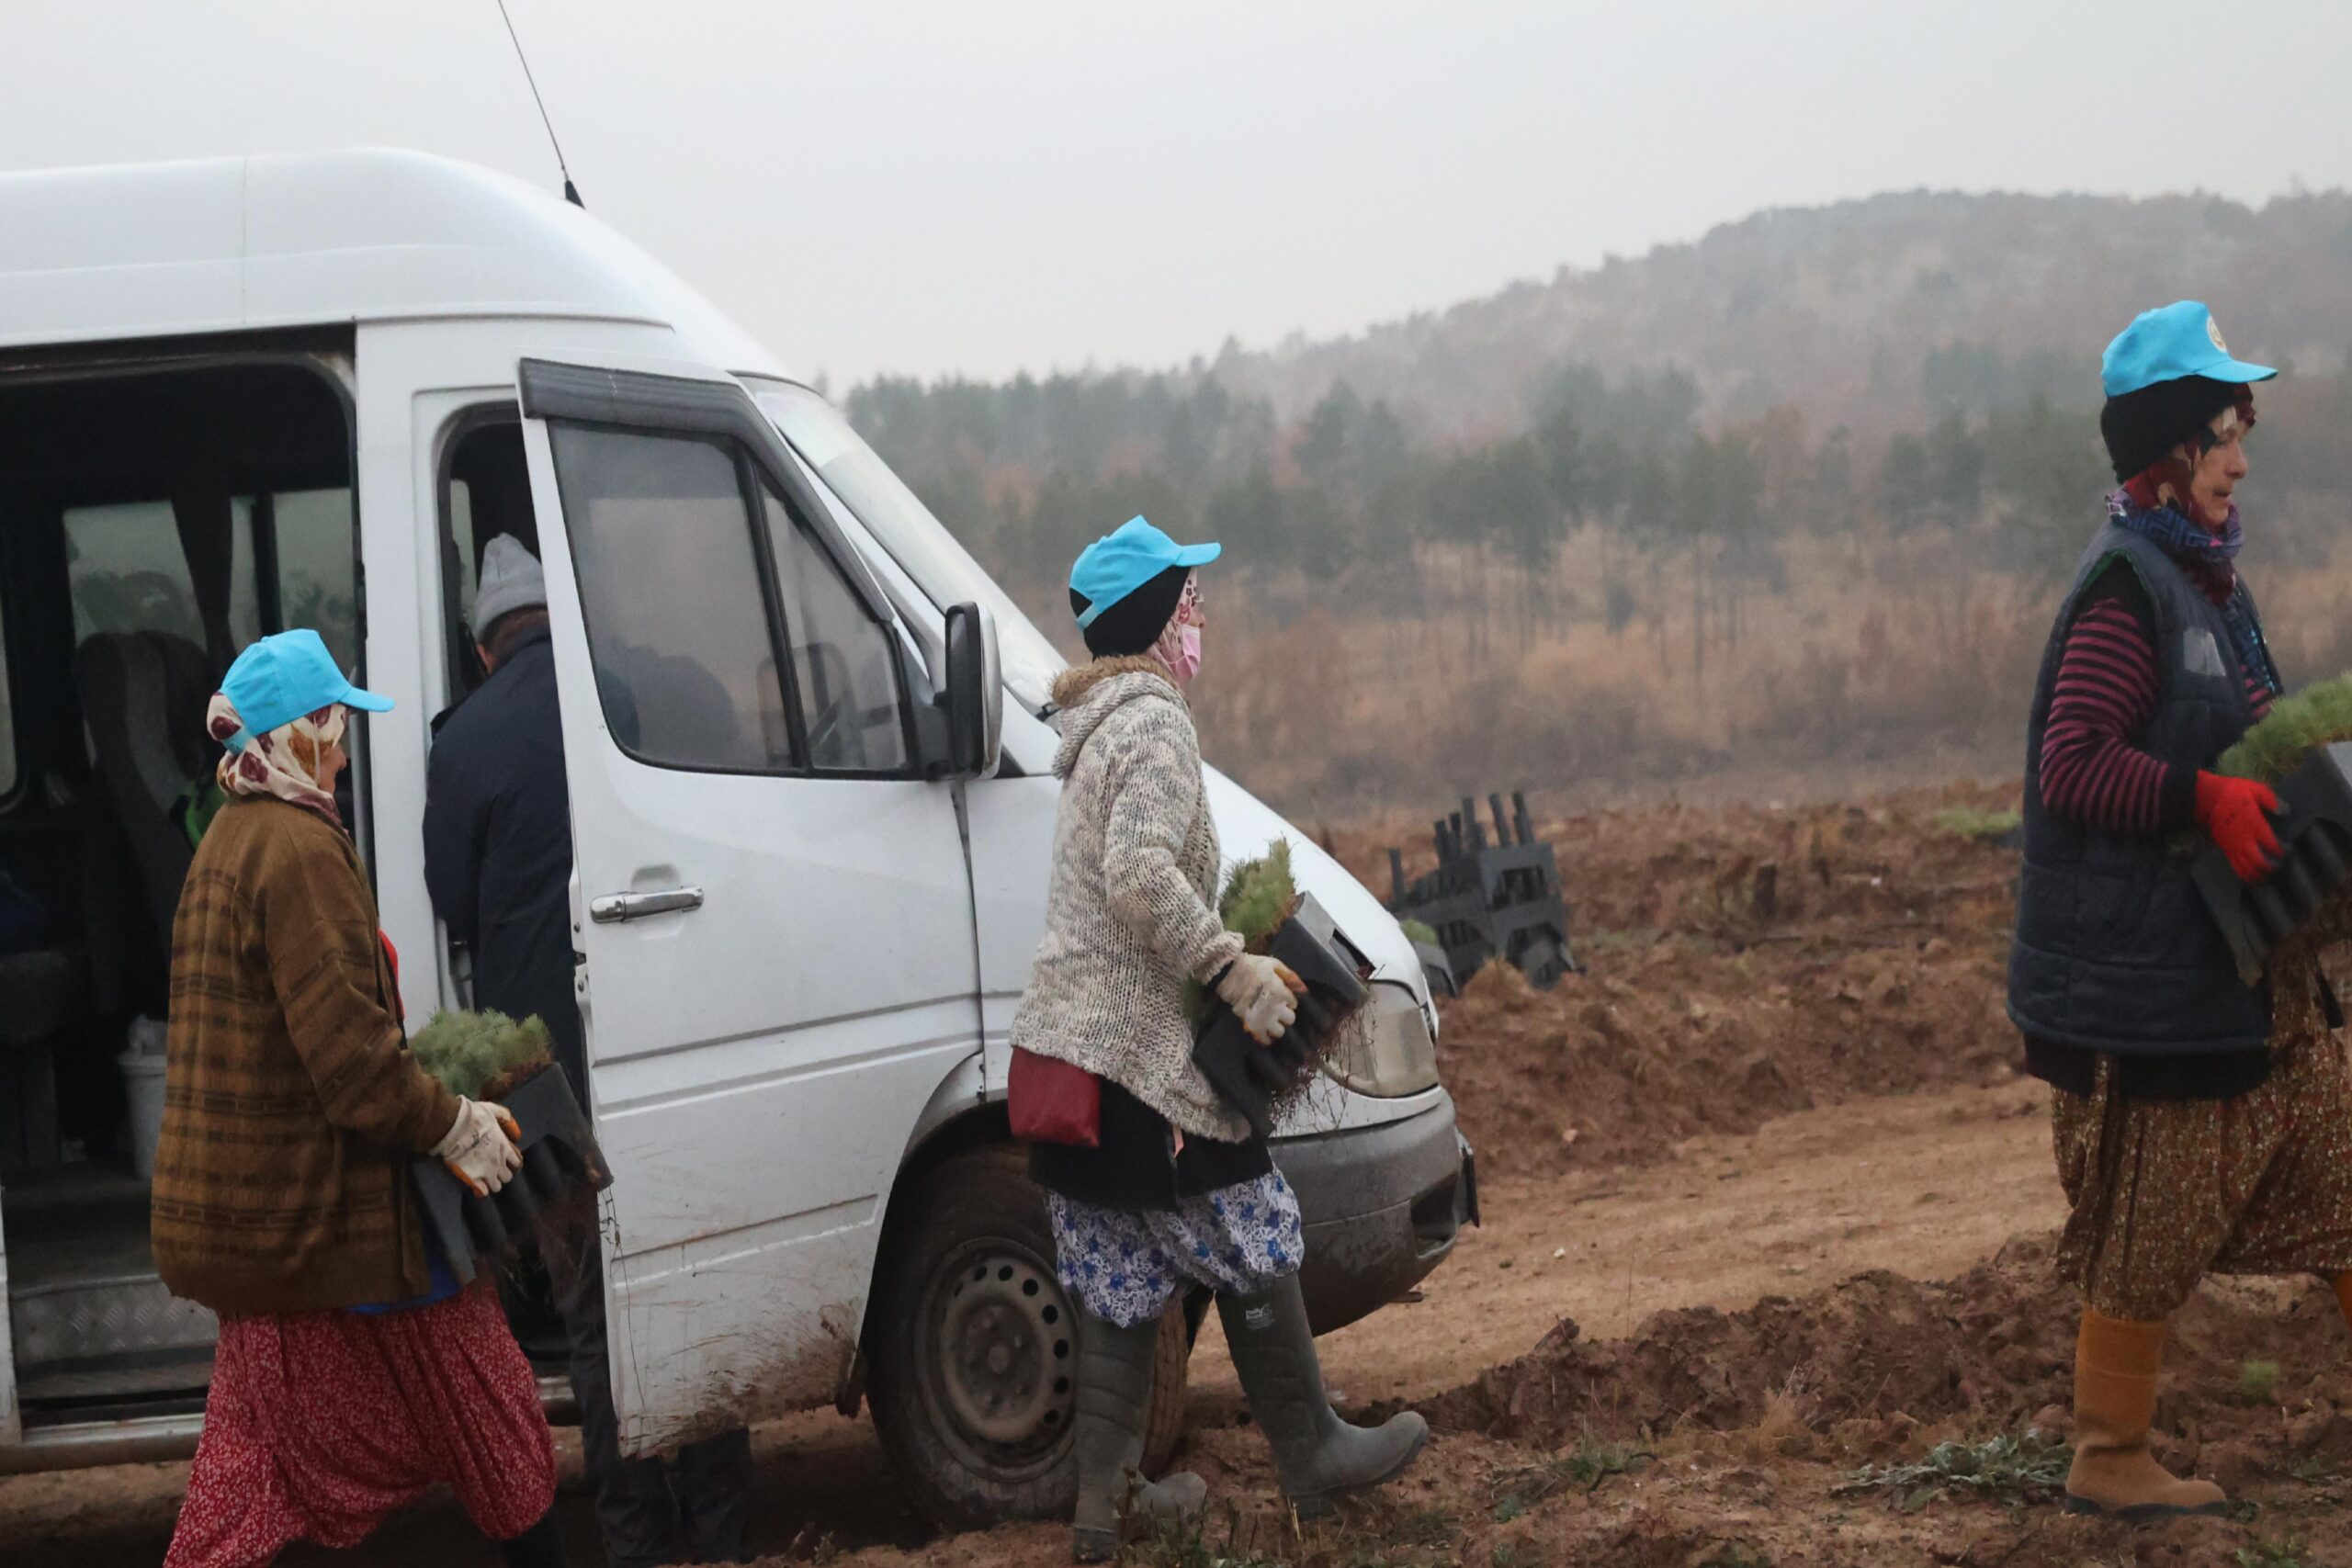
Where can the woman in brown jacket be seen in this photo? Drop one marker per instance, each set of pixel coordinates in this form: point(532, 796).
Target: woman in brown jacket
point(352, 1371)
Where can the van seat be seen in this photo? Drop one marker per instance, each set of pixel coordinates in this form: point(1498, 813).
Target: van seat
point(42, 991)
point(143, 695)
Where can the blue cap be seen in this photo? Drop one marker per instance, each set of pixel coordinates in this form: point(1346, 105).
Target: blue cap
point(281, 678)
point(1124, 560)
point(2168, 344)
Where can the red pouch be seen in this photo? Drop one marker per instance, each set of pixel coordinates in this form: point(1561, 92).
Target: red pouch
point(1052, 1101)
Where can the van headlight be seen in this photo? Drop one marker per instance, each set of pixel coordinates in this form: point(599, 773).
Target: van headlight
point(1388, 1050)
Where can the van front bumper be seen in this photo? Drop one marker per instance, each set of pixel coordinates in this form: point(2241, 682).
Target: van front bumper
point(1382, 1205)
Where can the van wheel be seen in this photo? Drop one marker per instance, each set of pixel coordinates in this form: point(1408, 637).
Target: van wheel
point(974, 1352)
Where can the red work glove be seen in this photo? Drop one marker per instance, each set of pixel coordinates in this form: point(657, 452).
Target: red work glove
point(2236, 813)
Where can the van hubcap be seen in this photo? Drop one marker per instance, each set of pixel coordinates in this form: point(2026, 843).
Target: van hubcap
point(1007, 1357)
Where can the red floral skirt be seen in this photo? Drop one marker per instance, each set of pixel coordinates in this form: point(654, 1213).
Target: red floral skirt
point(319, 1424)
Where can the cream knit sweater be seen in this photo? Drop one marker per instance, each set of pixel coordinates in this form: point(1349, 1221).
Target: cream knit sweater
point(1131, 913)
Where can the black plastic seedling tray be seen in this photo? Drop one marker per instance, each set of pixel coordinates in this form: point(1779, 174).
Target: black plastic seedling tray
point(1249, 1077)
point(560, 1163)
point(2315, 844)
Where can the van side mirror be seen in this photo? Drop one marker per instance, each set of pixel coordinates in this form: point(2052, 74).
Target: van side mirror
point(972, 695)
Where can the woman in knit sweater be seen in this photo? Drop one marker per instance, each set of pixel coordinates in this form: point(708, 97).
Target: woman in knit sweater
point(2202, 1125)
point(1175, 1194)
point(351, 1372)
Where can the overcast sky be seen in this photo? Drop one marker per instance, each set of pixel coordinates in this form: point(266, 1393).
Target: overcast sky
point(987, 187)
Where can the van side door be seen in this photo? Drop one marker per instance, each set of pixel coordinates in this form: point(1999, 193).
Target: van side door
point(770, 903)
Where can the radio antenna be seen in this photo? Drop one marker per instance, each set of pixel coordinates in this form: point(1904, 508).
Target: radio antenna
point(571, 191)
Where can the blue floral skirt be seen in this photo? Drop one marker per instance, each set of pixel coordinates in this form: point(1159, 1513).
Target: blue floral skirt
point(1124, 1264)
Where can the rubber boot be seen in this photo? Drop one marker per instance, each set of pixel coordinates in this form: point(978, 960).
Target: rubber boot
point(2115, 1399)
point(1113, 1395)
point(542, 1546)
point(1320, 1456)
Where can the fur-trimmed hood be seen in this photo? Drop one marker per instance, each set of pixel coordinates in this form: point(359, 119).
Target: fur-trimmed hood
point(1086, 694)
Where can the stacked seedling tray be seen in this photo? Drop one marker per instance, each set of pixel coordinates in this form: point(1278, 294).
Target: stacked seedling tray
point(1259, 1080)
point(490, 1057)
point(1487, 900)
point(2305, 894)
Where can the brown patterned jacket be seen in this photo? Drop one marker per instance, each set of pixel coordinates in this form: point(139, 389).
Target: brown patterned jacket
point(290, 1105)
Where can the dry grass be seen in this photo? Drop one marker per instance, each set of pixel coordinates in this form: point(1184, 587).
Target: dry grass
point(1879, 667)
point(1321, 711)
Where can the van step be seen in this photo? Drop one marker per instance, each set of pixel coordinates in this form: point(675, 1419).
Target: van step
point(64, 1322)
point(140, 1377)
point(83, 1299)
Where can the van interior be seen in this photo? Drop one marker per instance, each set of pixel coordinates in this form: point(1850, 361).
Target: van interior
point(154, 520)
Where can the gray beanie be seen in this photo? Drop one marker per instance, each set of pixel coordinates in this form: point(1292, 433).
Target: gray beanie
point(511, 581)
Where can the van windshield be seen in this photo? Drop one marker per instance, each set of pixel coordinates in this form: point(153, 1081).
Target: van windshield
point(918, 541)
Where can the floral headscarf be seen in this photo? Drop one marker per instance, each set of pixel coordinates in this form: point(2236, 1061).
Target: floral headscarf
point(285, 761)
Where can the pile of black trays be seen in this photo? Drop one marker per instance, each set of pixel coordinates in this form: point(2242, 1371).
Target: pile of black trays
point(562, 1167)
point(2315, 844)
point(1485, 901)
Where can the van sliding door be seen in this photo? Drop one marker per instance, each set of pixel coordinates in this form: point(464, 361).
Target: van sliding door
point(771, 907)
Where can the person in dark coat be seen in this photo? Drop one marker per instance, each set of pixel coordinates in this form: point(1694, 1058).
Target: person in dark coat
point(498, 863)
point(2200, 1122)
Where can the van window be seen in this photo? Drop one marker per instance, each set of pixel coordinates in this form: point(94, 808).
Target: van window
point(903, 526)
point(313, 530)
point(670, 587)
point(841, 663)
point(127, 572)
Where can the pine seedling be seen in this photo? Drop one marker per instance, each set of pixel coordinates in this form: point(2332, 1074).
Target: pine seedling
point(473, 1054)
point(1260, 895)
point(2319, 714)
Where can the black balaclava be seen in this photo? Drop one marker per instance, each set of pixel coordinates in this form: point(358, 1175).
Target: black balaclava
point(1131, 624)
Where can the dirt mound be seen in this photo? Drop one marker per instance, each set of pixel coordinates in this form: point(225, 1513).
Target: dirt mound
point(1740, 965)
point(1990, 1351)
point(1994, 1344)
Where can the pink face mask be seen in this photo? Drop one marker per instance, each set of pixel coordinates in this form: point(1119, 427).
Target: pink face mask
point(1178, 647)
point(1183, 659)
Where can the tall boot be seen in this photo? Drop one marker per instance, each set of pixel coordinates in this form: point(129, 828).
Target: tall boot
point(1320, 1457)
point(542, 1546)
point(2115, 1399)
point(1113, 1395)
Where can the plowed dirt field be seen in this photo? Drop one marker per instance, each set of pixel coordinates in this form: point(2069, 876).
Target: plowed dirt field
point(1767, 1206)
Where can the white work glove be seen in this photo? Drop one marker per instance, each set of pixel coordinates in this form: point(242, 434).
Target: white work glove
point(1261, 992)
point(480, 1148)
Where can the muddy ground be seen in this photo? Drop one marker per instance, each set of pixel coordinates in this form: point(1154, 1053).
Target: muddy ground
point(1725, 1170)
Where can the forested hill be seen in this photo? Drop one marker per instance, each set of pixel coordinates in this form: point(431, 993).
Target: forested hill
point(1904, 362)
point(1877, 314)
point(1807, 483)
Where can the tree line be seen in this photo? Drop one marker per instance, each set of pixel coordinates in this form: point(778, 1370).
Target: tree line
point(1612, 498)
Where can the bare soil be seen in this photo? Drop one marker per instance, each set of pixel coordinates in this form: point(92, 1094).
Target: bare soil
point(1722, 1172)
point(1741, 965)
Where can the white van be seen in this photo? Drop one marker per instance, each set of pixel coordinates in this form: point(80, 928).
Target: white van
point(811, 796)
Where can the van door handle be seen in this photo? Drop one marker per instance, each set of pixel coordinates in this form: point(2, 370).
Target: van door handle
point(616, 907)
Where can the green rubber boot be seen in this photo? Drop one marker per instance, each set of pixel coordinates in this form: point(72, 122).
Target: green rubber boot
point(1320, 1457)
point(1113, 1393)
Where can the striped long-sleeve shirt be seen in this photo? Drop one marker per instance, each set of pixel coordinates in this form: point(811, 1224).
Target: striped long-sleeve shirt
point(2092, 770)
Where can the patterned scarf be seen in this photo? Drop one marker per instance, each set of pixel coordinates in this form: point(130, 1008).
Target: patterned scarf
point(284, 763)
point(2208, 554)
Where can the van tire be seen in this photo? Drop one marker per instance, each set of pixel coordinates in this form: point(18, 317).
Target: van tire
point(980, 1210)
